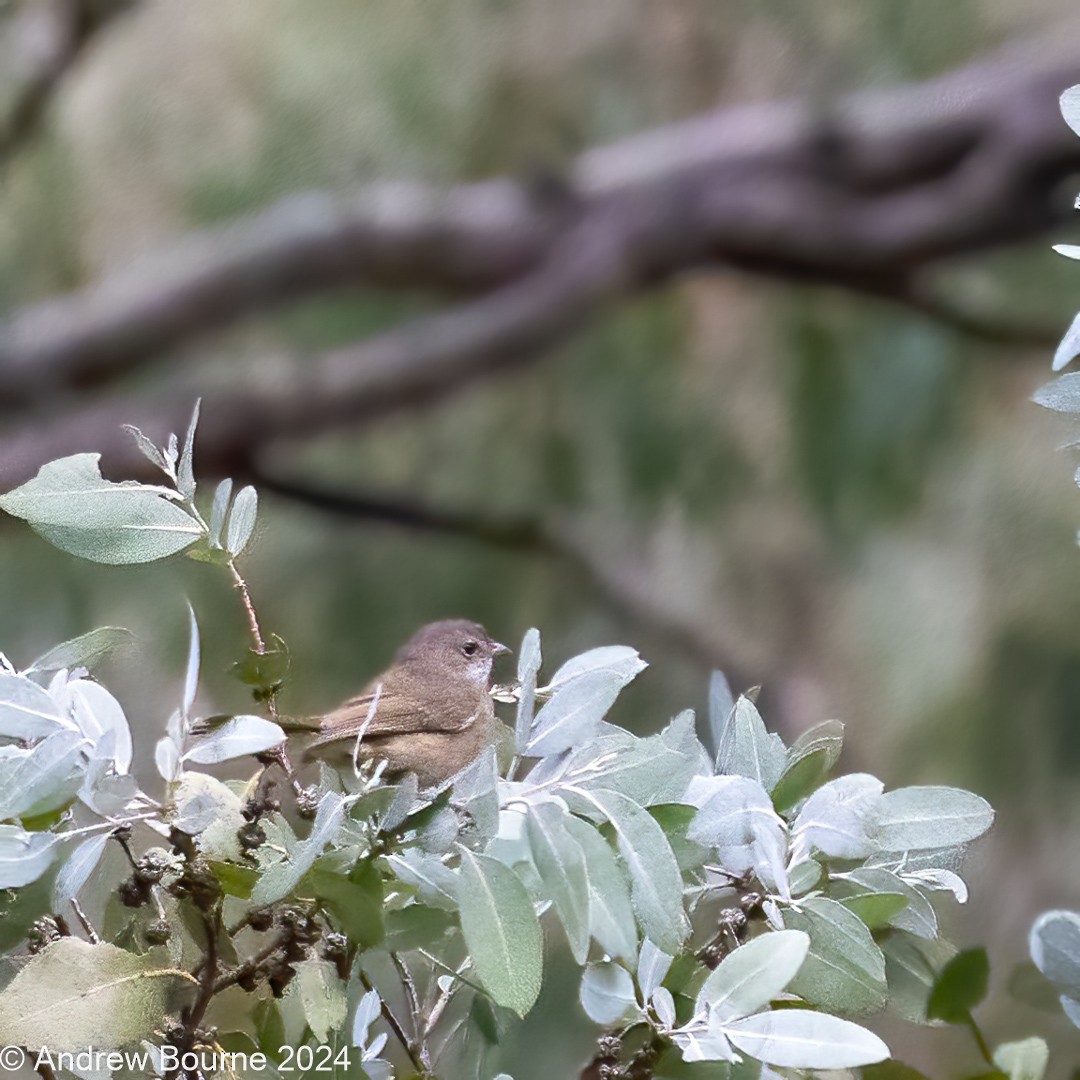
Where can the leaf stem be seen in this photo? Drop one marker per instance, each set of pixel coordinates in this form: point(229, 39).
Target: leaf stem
point(249, 607)
point(395, 1026)
point(980, 1041)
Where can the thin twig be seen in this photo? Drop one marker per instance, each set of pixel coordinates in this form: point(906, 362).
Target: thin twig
point(409, 985)
point(395, 1026)
point(249, 607)
point(91, 933)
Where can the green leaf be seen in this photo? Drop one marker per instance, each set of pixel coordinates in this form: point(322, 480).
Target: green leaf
point(77, 510)
point(185, 474)
point(800, 778)
point(607, 994)
point(501, 931)
point(916, 915)
point(26, 710)
point(85, 650)
point(877, 910)
point(1023, 1060)
point(656, 882)
point(675, 819)
point(911, 967)
point(24, 856)
point(844, 972)
point(322, 994)
point(915, 818)
point(266, 670)
point(77, 868)
point(560, 863)
point(355, 901)
point(960, 986)
point(574, 711)
point(73, 995)
point(801, 1039)
point(749, 977)
point(1027, 984)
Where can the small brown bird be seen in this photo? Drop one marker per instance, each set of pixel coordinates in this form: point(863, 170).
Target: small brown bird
point(433, 714)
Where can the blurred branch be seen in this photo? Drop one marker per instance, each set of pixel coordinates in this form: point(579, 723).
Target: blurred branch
point(39, 46)
point(870, 190)
point(621, 587)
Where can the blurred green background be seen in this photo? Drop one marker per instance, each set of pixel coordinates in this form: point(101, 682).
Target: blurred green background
point(848, 503)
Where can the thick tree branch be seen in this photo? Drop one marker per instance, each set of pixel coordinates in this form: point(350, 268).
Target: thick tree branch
point(871, 191)
point(38, 48)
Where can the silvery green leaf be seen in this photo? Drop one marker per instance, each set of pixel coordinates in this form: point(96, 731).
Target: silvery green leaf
point(938, 879)
point(322, 994)
point(185, 474)
point(104, 790)
point(607, 994)
point(239, 736)
point(76, 871)
point(97, 714)
point(40, 779)
point(931, 817)
point(26, 710)
point(561, 865)
point(1070, 251)
point(148, 448)
point(405, 795)
point(24, 856)
point(205, 805)
point(703, 1046)
point(803, 876)
point(72, 995)
point(475, 792)
point(1069, 346)
point(656, 882)
point(1070, 107)
point(167, 759)
point(501, 931)
point(77, 510)
point(241, 525)
point(652, 968)
point(619, 661)
point(83, 651)
point(748, 749)
point(911, 967)
point(191, 674)
point(840, 819)
point(218, 511)
point(1023, 1060)
point(736, 817)
point(917, 916)
point(664, 1005)
point(368, 1010)
point(653, 770)
point(574, 711)
point(528, 667)
point(845, 971)
point(749, 977)
point(611, 914)
point(801, 1039)
point(429, 875)
point(721, 704)
point(1055, 949)
point(827, 736)
point(279, 879)
point(1061, 395)
point(809, 760)
point(437, 836)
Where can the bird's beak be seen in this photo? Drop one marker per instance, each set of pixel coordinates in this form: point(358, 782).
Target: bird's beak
point(499, 650)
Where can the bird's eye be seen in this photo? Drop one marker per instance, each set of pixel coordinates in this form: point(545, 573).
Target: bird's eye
point(469, 648)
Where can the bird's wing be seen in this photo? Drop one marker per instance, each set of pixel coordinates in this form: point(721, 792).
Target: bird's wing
point(395, 714)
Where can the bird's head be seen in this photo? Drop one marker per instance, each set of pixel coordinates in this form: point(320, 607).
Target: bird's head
point(457, 646)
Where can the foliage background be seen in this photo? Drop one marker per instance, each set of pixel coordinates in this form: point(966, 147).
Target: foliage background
point(848, 503)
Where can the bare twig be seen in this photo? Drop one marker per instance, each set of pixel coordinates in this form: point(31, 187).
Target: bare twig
point(866, 193)
point(88, 927)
